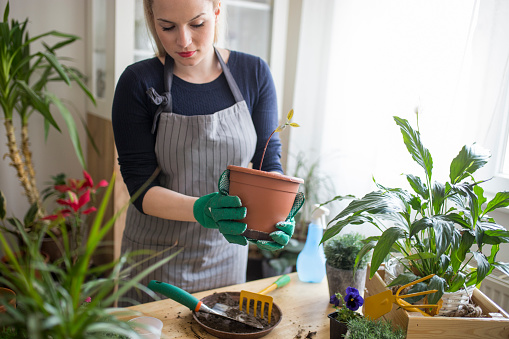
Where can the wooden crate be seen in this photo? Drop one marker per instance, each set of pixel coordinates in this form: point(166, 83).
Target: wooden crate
point(421, 327)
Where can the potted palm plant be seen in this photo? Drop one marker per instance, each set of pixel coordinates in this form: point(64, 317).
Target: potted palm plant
point(437, 228)
point(24, 78)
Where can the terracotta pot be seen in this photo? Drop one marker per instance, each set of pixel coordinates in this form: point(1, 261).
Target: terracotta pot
point(268, 197)
point(338, 328)
point(9, 295)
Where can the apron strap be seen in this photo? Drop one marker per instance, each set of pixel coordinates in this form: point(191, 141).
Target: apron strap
point(229, 77)
point(164, 100)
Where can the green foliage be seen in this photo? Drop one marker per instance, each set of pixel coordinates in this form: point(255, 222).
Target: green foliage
point(341, 251)
point(434, 226)
point(25, 75)
point(52, 297)
point(365, 328)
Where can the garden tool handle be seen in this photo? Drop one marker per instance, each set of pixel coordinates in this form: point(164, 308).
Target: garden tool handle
point(417, 294)
point(280, 282)
point(177, 294)
point(409, 307)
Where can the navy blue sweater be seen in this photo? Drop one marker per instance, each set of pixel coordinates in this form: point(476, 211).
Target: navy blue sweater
point(133, 112)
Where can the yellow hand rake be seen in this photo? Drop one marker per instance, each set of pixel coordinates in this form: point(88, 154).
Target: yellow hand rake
point(379, 304)
point(261, 297)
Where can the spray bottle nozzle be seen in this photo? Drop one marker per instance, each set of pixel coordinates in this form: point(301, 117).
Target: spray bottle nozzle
point(318, 215)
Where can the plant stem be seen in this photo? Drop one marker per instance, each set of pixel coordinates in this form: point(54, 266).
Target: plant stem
point(27, 154)
point(16, 162)
point(265, 149)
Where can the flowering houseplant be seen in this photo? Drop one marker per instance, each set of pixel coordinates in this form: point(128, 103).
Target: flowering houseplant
point(73, 197)
point(438, 228)
point(349, 304)
point(72, 300)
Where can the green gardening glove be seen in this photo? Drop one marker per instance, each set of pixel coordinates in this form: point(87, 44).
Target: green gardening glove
point(282, 236)
point(220, 211)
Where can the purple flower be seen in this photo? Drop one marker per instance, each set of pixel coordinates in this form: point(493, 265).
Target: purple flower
point(352, 299)
point(334, 300)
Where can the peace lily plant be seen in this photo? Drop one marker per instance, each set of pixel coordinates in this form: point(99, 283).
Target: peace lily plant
point(437, 228)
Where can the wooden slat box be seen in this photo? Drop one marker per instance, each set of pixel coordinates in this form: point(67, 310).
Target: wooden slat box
point(421, 327)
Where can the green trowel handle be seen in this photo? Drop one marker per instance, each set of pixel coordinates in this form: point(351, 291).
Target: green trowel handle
point(175, 293)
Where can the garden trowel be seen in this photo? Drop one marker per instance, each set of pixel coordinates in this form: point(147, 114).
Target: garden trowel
point(190, 301)
point(379, 304)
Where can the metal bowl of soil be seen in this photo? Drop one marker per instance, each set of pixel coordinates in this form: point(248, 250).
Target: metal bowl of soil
point(229, 329)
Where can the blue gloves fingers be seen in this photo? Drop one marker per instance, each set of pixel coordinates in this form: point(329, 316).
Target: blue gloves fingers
point(220, 211)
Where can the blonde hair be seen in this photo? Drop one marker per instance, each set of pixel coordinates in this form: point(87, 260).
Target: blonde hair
point(149, 18)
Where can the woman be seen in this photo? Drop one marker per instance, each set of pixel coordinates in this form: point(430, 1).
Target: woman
point(190, 115)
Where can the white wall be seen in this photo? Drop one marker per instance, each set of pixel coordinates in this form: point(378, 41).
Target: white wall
point(55, 155)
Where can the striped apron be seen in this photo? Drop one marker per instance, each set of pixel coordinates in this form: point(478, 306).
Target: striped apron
point(192, 152)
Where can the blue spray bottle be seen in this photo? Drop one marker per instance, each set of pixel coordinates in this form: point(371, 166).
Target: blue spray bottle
point(311, 260)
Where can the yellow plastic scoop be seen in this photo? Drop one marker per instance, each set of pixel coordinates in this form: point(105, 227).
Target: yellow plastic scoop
point(261, 297)
point(379, 304)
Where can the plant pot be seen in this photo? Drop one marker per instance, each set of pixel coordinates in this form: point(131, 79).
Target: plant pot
point(338, 328)
point(9, 295)
point(338, 280)
point(268, 197)
point(437, 327)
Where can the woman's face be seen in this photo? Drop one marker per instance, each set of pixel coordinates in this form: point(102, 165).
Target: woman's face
point(185, 28)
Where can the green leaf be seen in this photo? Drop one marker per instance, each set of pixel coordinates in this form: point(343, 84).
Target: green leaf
point(403, 279)
point(468, 160)
point(444, 231)
point(336, 228)
point(418, 186)
point(384, 245)
point(438, 192)
point(71, 127)
point(421, 256)
point(439, 284)
point(31, 214)
point(363, 252)
point(420, 225)
point(457, 283)
point(467, 239)
point(415, 147)
point(56, 66)
point(500, 200)
point(483, 266)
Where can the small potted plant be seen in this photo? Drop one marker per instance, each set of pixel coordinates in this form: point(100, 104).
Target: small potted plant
point(341, 252)
point(366, 328)
point(345, 311)
point(268, 196)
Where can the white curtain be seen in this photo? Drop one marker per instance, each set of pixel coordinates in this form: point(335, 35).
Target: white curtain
point(384, 59)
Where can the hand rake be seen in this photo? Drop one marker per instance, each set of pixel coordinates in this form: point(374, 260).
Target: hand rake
point(379, 304)
point(262, 298)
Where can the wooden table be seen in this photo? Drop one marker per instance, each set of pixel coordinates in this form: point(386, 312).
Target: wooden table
point(305, 307)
